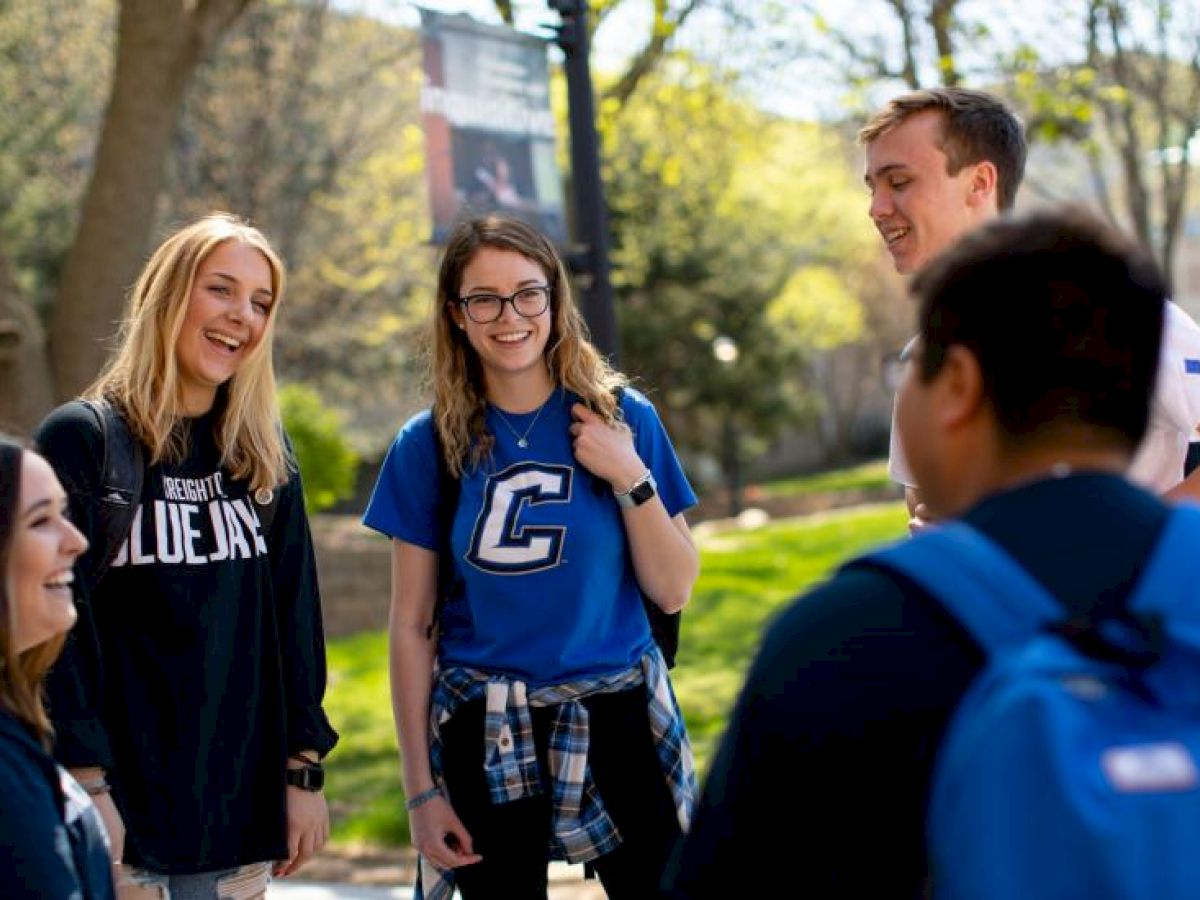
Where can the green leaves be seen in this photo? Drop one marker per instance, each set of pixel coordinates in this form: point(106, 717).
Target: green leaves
point(327, 462)
point(729, 222)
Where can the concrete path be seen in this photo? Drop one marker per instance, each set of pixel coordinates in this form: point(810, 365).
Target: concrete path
point(566, 883)
point(309, 890)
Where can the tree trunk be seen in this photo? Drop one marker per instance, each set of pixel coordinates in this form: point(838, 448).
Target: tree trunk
point(24, 370)
point(908, 45)
point(159, 44)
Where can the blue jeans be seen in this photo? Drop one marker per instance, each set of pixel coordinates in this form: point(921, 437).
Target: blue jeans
point(248, 882)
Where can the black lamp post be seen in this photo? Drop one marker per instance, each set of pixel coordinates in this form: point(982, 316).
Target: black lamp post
point(591, 220)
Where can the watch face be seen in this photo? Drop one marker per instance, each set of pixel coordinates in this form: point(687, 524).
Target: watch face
point(642, 492)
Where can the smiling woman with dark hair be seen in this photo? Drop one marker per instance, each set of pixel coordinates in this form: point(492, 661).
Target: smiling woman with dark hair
point(52, 844)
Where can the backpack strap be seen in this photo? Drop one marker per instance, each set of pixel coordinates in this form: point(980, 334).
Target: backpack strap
point(1169, 586)
point(124, 477)
point(266, 500)
point(987, 591)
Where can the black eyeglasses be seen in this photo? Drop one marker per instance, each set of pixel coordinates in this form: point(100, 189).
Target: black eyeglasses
point(528, 302)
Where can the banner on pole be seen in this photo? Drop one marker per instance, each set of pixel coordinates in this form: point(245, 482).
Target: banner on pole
point(489, 131)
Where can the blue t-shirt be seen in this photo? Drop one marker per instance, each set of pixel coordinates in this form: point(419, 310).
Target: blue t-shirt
point(548, 587)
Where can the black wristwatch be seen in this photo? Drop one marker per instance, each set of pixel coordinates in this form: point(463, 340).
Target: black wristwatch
point(309, 778)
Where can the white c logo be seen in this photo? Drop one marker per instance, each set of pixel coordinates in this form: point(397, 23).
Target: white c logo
point(499, 543)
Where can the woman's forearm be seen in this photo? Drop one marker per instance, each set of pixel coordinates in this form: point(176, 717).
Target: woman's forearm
point(664, 558)
point(411, 655)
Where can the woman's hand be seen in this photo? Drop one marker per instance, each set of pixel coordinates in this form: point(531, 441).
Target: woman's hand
point(439, 836)
point(605, 450)
point(307, 828)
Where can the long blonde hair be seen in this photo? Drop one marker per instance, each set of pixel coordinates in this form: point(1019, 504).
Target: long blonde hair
point(21, 674)
point(142, 378)
point(460, 400)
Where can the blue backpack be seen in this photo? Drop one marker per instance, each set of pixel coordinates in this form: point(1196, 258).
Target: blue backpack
point(1069, 768)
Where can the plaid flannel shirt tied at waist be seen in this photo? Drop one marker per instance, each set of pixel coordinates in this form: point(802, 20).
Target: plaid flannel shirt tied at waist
point(581, 828)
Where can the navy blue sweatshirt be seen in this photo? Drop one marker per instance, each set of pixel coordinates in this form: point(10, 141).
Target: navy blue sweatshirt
point(198, 664)
point(52, 843)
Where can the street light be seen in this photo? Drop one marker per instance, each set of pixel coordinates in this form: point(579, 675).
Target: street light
point(725, 350)
point(591, 219)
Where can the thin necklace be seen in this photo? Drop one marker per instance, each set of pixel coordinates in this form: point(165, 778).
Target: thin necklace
point(522, 439)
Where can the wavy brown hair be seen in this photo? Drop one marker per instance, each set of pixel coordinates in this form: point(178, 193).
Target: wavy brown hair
point(142, 378)
point(21, 674)
point(460, 400)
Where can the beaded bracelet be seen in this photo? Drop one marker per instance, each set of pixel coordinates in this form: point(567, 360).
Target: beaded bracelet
point(422, 798)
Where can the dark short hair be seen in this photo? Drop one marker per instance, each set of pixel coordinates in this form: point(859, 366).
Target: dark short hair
point(976, 126)
point(1064, 314)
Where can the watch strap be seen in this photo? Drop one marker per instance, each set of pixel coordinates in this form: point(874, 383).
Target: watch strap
point(307, 778)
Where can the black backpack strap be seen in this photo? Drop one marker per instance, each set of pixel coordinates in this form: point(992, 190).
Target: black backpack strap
point(124, 477)
point(266, 500)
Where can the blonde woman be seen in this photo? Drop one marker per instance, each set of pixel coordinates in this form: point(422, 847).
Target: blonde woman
point(536, 720)
point(189, 699)
point(52, 844)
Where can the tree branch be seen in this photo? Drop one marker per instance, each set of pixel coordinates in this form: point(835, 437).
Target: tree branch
point(650, 55)
point(941, 20)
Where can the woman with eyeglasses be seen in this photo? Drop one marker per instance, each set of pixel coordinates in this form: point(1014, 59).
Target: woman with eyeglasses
point(52, 842)
point(538, 500)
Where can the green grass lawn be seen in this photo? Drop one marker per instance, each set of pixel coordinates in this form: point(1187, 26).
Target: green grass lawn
point(746, 576)
point(866, 476)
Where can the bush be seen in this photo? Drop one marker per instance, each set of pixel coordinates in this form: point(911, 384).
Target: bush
point(327, 462)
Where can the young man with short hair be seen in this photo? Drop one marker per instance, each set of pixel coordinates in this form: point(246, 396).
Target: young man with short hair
point(1026, 396)
point(940, 163)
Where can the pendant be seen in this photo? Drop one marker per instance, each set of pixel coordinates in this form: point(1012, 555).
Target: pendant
point(522, 443)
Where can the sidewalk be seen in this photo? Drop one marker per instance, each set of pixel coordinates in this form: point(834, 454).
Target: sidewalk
point(312, 890)
point(371, 877)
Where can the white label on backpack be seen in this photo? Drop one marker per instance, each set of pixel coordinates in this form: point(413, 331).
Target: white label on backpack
point(1150, 768)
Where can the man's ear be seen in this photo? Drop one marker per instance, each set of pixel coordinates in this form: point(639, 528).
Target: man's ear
point(959, 387)
point(984, 185)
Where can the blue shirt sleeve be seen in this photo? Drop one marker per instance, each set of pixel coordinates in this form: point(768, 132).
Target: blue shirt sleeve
point(654, 447)
point(404, 503)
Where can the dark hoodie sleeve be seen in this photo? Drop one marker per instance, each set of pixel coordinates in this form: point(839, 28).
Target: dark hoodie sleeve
point(71, 440)
point(301, 631)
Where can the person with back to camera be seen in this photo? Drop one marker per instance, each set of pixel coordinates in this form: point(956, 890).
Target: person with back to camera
point(942, 162)
point(1024, 401)
point(52, 842)
point(193, 684)
point(535, 716)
